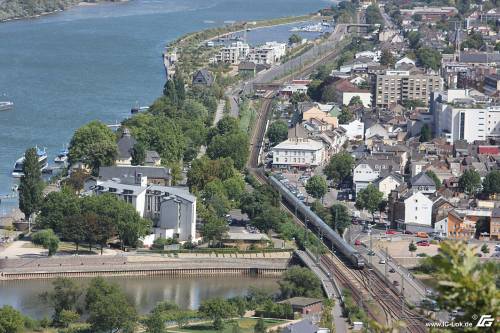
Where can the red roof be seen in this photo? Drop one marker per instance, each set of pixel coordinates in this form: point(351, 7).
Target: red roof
point(488, 150)
point(346, 86)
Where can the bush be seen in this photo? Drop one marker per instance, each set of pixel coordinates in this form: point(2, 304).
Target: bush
point(161, 242)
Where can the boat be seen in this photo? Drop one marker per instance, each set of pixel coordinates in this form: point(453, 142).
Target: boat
point(309, 28)
point(6, 106)
point(62, 156)
point(42, 160)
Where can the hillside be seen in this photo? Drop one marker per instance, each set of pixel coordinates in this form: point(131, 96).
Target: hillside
point(10, 9)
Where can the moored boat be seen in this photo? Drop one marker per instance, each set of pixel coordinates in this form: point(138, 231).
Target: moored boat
point(42, 160)
point(6, 106)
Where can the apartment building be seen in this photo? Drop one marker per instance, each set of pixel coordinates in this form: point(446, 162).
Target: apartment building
point(396, 86)
point(233, 53)
point(267, 54)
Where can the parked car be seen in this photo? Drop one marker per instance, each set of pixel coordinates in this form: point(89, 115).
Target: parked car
point(357, 242)
point(390, 232)
point(392, 270)
point(381, 261)
point(423, 243)
point(406, 232)
point(422, 234)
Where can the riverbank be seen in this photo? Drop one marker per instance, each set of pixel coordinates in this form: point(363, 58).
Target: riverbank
point(181, 264)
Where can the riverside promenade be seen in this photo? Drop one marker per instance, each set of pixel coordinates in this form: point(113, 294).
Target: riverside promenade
point(181, 264)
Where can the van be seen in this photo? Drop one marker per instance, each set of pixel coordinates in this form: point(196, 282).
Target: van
point(422, 235)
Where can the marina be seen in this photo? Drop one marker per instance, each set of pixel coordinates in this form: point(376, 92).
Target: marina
point(6, 106)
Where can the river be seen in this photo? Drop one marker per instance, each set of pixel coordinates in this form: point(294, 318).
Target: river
point(95, 62)
point(144, 292)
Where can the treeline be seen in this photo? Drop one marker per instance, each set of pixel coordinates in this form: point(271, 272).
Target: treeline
point(10, 9)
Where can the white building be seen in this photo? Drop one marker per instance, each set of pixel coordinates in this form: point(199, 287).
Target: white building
point(355, 130)
point(418, 210)
point(298, 151)
point(234, 53)
point(405, 61)
point(462, 116)
point(267, 54)
point(172, 209)
point(441, 227)
point(388, 184)
point(373, 55)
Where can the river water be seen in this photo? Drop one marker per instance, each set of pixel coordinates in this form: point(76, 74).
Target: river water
point(144, 292)
point(95, 62)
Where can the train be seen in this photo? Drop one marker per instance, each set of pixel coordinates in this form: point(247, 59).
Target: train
point(346, 249)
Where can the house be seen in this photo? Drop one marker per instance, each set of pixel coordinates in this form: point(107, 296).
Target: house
point(423, 183)
point(369, 169)
point(298, 151)
point(125, 148)
point(127, 174)
point(404, 61)
point(495, 224)
point(172, 209)
point(152, 158)
point(305, 305)
point(418, 213)
point(203, 77)
point(346, 91)
point(267, 54)
point(355, 130)
point(316, 113)
point(462, 222)
point(389, 183)
point(441, 227)
point(247, 69)
point(233, 53)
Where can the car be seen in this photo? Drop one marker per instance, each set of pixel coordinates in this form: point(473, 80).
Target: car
point(424, 243)
point(392, 270)
point(357, 242)
point(406, 232)
point(371, 253)
point(390, 232)
point(396, 283)
point(422, 234)
point(381, 261)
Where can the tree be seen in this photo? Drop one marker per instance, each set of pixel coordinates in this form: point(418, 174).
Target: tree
point(104, 231)
point(170, 92)
point(346, 116)
point(463, 282)
point(470, 181)
point(55, 207)
point(277, 132)
point(386, 58)
point(339, 167)
point(260, 327)
point(370, 199)
point(425, 133)
point(429, 58)
point(74, 229)
point(412, 247)
point(271, 218)
point(434, 177)
point(236, 328)
point(31, 185)
point(491, 183)
point(77, 179)
point(47, 239)
point(108, 307)
point(11, 320)
point(155, 323)
point(94, 144)
point(67, 317)
point(340, 217)
point(294, 39)
point(234, 145)
point(327, 319)
point(316, 186)
point(298, 281)
point(217, 309)
point(204, 170)
point(138, 154)
point(474, 41)
point(214, 229)
point(485, 249)
point(64, 297)
point(355, 100)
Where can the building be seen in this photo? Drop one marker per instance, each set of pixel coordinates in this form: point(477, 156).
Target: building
point(304, 326)
point(389, 183)
point(495, 224)
point(418, 213)
point(368, 170)
point(433, 14)
point(172, 209)
point(423, 183)
point(127, 174)
point(305, 305)
point(267, 54)
point(203, 77)
point(152, 158)
point(233, 53)
point(397, 86)
point(315, 112)
point(491, 84)
point(298, 151)
point(125, 148)
point(346, 91)
point(462, 222)
point(355, 130)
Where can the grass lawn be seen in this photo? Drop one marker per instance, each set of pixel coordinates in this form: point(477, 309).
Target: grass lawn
point(246, 326)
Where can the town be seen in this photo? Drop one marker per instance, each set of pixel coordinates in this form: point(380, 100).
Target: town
point(351, 155)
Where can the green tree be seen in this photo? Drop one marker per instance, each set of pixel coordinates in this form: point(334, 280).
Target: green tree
point(236, 328)
point(260, 327)
point(294, 39)
point(170, 92)
point(464, 283)
point(346, 116)
point(67, 317)
point(108, 307)
point(474, 41)
point(31, 185)
point(434, 177)
point(47, 239)
point(339, 167)
point(11, 320)
point(341, 218)
point(217, 309)
point(485, 249)
point(355, 100)
point(370, 199)
point(180, 89)
point(298, 281)
point(277, 132)
point(75, 229)
point(429, 58)
point(271, 218)
point(55, 207)
point(76, 180)
point(412, 247)
point(316, 187)
point(425, 133)
point(214, 230)
point(470, 181)
point(138, 154)
point(64, 297)
point(491, 183)
point(155, 323)
point(234, 145)
point(386, 58)
point(94, 144)
point(204, 170)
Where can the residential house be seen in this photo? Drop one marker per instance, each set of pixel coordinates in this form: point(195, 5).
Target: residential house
point(315, 112)
point(346, 91)
point(125, 148)
point(355, 130)
point(305, 305)
point(462, 222)
point(368, 170)
point(418, 213)
point(203, 77)
point(152, 158)
point(423, 183)
point(128, 174)
point(389, 183)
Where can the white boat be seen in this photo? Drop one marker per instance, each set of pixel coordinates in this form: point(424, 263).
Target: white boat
point(42, 159)
point(6, 106)
point(62, 156)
